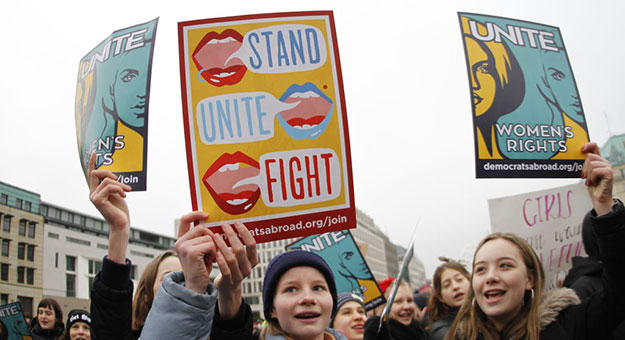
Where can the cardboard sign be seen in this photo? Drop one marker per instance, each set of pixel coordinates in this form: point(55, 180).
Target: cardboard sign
point(550, 220)
point(265, 123)
point(112, 100)
point(528, 118)
point(12, 323)
point(351, 271)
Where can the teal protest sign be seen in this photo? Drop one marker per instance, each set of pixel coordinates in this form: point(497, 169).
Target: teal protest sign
point(12, 323)
point(112, 100)
point(528, 119)
point(351, 271)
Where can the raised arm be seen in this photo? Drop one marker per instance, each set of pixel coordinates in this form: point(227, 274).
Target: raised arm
point(111, 294)
point(598, 315)
point(233, 318)
point(108, 195)
point(598, 174)
point(184, 306)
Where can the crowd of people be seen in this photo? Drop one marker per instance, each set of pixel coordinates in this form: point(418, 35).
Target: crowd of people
point(502, 296)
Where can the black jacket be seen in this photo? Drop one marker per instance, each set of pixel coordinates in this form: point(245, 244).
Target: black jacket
point(585, 279)
point(111, 302)
point(585, 276)
point(45, 334)
point(597, 316)
point(393, 330)
point(439, 328)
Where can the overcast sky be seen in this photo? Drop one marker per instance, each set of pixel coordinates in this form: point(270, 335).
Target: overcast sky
point(407, 99)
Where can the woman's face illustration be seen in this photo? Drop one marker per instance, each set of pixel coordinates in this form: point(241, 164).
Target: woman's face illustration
point(560, 80)
point(483, 83)
point(130, 95)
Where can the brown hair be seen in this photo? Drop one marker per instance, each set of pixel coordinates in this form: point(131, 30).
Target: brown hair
point(53, 304)
point(145, 291)
point(471, 320)
point(436, 305)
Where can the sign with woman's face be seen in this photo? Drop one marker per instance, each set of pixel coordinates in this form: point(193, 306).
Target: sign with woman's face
point(112, 100)
point(527, 113)
point(351, 271)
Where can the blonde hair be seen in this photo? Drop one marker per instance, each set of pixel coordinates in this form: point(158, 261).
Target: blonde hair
point(471, 320)
point(379, 309)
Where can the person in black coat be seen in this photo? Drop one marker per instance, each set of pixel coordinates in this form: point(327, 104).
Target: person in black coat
point(585, 275)
point(402, 323)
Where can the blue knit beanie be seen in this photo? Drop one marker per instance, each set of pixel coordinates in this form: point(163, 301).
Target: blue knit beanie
point(287, 260)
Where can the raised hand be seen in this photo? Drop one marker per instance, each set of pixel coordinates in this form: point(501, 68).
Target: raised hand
point(235, 263)
point(108, 195)
point(196, 251)
point(598, 174)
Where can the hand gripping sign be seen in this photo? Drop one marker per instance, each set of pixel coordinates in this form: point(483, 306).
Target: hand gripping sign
point(265, 123)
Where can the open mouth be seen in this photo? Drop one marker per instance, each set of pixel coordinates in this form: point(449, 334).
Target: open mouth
point(222, 176)
point(307, 316)
point(405, 314)
point(311, 116)
point(313, 108)
point(493, 296)
point(211, 58)
point(459, 296)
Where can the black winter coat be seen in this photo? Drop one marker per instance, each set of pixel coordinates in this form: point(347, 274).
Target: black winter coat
point(45, 334)
point(393, 330)
point(439, 328)
point(111, 302)
point(596, 317)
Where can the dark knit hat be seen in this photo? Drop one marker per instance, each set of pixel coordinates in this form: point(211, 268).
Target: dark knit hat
point(77, 315)
point(344, 298)
point(287, 260)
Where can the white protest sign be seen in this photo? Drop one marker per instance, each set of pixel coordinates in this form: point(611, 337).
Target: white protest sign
point(550, 220)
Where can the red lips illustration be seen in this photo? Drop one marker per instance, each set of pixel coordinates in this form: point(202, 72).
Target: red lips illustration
point(211, 54)
point(222, 176)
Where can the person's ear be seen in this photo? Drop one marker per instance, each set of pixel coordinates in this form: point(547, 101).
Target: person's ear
point(273, 313)
point(530, 281)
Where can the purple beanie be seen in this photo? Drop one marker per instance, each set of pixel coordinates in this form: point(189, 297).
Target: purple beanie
point(287, 260)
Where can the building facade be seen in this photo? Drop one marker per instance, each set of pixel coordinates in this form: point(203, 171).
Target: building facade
point(74, 245)
point(52, 251)
point(371, 242)
point(21, 234)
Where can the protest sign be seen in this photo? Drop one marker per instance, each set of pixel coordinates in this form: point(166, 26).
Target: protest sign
point(550, 220)
point(12, 323)
point(351, 271)
point(528, 118)
point(265, 123)
point(112, 100)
